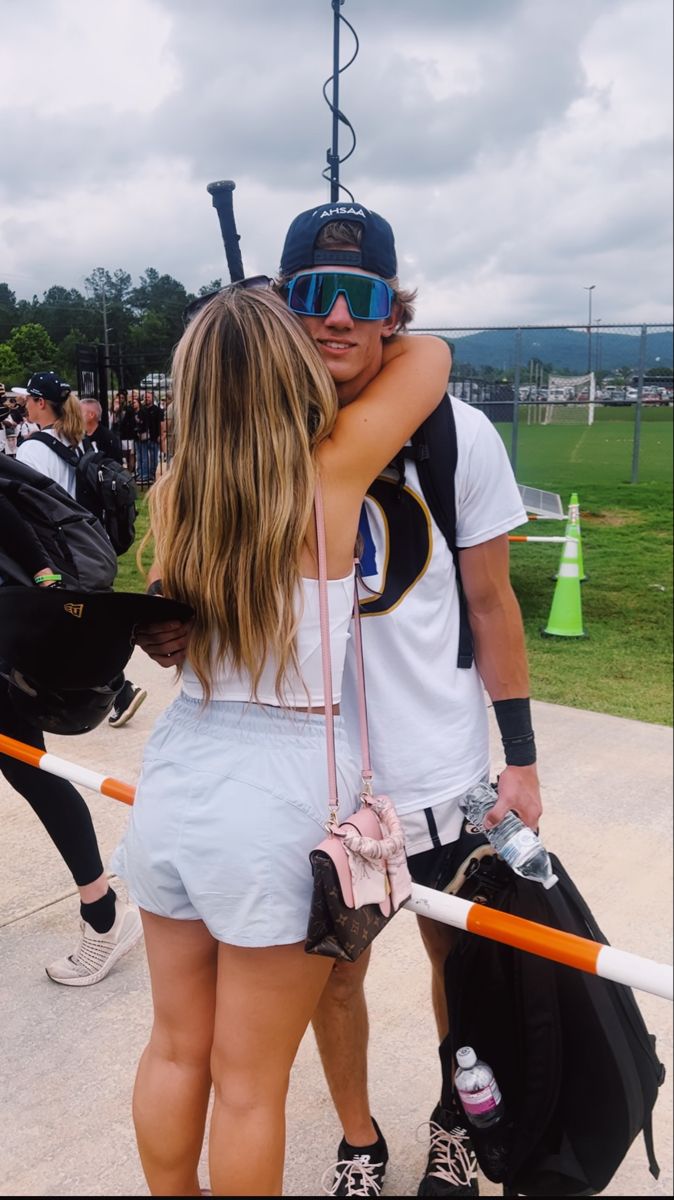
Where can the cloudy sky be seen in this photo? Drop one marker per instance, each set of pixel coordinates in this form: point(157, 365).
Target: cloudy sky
point(520, 148)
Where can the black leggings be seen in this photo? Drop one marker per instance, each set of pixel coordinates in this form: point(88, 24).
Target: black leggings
point(58, 805)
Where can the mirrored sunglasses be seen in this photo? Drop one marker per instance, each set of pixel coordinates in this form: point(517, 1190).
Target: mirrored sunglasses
point(312, 294)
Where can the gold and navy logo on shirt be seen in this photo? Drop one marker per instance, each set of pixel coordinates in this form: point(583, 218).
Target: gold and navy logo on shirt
point(407, 546)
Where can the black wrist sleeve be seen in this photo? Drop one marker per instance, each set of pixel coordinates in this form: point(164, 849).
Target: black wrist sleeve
point(514, 721)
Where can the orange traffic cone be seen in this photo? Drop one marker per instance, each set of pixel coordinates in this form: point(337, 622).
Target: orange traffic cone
point(566, 619)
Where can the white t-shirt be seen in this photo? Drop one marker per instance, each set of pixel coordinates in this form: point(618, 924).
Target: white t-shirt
point(41, 458)
point(429, 737)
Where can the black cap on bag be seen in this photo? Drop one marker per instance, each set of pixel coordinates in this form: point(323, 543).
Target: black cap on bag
point(71, 639)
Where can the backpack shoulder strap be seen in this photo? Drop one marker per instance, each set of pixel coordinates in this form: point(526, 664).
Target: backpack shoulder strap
point(650, 1148)
point(68, 453)
point(435, 451)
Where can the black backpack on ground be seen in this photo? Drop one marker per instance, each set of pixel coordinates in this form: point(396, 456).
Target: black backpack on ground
point(103, 486)
point(73, 540)
point(574, 1061)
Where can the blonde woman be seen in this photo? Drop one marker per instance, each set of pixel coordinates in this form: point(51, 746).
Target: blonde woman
point(54, 407)
point(233, 789)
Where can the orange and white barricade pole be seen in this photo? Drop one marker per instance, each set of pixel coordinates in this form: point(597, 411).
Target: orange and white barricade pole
point(594, 957)
point(620, 966)
point(516, 537)
point(54, 765)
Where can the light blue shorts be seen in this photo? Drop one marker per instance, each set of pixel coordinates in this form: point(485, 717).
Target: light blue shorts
point(230, 802)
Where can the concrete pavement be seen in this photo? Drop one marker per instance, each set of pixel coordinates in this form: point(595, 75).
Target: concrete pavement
point(69, 1055)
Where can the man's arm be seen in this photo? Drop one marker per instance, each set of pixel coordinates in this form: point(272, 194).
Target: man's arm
point(500, 656)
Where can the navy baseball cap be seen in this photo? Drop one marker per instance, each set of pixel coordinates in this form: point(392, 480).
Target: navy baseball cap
point(376, 253)
point(48, 385)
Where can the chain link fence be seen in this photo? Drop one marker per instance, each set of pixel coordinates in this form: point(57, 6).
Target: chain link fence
point(595, 399)
point(572, 403)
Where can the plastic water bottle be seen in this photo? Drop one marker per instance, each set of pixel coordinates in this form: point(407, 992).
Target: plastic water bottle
point(477, 1089)
point(513, 841)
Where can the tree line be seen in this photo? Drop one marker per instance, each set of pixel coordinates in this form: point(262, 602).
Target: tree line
point(43, 334)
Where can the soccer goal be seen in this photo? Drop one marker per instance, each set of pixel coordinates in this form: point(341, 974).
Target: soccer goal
point(570, 400)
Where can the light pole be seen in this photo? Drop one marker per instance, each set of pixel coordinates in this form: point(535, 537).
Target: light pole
point(589, 288)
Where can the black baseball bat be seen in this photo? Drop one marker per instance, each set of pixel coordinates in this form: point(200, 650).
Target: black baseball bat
point(221, 192)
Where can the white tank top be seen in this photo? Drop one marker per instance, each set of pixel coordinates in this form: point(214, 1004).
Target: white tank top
point(305, 690)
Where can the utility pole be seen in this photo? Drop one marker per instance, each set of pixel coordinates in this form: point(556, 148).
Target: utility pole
point(104, 366)
point(105, 322)
point(589, 289)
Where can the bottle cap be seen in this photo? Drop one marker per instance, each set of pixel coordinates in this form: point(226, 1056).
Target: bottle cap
point(466, 1057)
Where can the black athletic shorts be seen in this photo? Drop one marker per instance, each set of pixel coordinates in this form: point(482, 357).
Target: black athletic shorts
point(437, 868)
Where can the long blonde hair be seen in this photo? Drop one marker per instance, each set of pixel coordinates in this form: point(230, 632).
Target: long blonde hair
point(69, 420)
point(252, 401)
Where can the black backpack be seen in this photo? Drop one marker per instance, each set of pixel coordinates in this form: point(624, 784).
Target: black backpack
point(434, 450)
point(73, 539)
point(103, 486)
point(573, 1059)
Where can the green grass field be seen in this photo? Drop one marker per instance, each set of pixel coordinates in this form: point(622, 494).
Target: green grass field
point(576, 455)
point(624, 665)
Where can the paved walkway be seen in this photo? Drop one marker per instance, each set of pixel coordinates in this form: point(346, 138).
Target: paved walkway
point(69, 1055)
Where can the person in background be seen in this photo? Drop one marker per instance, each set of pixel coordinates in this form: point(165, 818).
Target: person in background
point(15, 428)
point(149, 435)
point(7, 423)
point(50, 405)
point(110, 927)
point(103, 439)
point(167, 429)
point(116, 410)
point(128, 429)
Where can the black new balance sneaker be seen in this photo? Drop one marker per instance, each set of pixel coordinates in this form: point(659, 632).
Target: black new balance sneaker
point(127, 703)
point(451, 1169)
point(360, 1170)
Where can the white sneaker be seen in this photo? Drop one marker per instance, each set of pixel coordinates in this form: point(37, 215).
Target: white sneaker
point(97, 953)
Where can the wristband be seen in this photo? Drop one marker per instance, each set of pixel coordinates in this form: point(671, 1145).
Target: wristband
point(47, 578)
point(514, 721)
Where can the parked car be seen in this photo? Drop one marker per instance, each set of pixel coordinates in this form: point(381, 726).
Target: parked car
point(155, 382)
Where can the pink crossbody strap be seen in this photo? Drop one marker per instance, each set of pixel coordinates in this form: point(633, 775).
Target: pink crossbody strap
point(366, 770)
point(333, 799)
